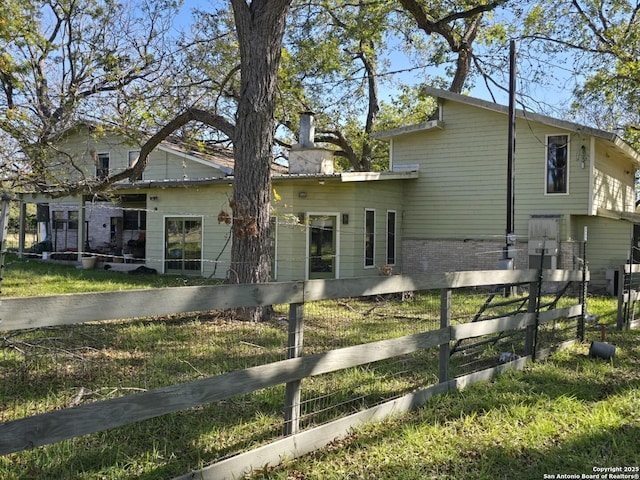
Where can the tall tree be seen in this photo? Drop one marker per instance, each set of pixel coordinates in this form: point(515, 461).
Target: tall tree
point(65, 61)
point(458, 24)
point(259, 30)
point(599, 40)
point(338, 57)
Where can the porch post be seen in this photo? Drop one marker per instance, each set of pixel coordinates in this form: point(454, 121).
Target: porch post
point(82, 239)
point(4, 228)
point(22, 228)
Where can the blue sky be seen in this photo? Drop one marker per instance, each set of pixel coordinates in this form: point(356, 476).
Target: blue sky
point(553, 99)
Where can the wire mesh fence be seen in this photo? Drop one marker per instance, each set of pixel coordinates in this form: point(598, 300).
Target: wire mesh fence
point(53, 368)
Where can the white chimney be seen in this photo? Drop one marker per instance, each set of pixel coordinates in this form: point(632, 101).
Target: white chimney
point(304, 157)
point(307, 133)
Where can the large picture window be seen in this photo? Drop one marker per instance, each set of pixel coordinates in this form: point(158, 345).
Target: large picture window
point(369, 237)
point(557, 164)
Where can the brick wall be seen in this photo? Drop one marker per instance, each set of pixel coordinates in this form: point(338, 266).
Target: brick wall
point(434, 256)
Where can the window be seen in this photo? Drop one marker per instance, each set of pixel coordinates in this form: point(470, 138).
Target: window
point(68, 219)
point(183, 245)
point(557, 163)
point(391, 237)
point(369, 237)
point(102, 165)
point(58, 219)
point(133, 155)
point(73, 220)
point(134, 219)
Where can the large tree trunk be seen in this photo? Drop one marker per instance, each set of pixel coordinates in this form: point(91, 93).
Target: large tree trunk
point(260, 28)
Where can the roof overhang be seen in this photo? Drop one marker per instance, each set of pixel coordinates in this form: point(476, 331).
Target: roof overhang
point(617, 215)
point(406, 130)
point(439, 94)
point(343, 177)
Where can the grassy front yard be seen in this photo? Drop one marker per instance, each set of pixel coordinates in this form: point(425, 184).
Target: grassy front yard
point(563, 416)
point(30, 277)
point(567, 416)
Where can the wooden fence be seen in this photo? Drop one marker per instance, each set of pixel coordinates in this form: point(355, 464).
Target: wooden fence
point(42, 429)
point(628, 289)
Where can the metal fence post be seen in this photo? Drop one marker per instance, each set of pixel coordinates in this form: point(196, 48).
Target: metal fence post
point(583, 289)
point(293, 389)
point(530, 329)
point(445, 322)
point(620, 319)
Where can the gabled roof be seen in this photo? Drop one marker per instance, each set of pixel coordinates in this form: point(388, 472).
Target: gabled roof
point(222, 159)
point(494, 107)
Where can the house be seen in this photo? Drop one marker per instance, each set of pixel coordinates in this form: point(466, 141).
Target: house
point(569, 179)
point(325, 224)
point(441, 206)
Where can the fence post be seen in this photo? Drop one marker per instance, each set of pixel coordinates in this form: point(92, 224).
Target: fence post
point(583, 289)
point(445, 322)
point(620, 319)
point(531, 308)
point(293, 389)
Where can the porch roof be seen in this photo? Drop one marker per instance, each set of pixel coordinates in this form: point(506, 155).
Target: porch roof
point(342, 177)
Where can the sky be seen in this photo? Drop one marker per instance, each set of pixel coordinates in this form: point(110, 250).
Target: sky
point(551, 99)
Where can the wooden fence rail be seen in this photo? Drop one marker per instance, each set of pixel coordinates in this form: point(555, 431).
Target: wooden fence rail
point(23, 313)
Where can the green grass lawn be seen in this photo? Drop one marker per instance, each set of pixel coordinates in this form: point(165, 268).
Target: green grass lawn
point(25, 277)
point(566, 415)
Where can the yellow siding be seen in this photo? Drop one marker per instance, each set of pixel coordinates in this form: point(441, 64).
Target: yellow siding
point(614, 187)
point(608, 246)
point(337, 198)
point(162, 164)
point(291, 251)
point(461, 191)
point(202, 202)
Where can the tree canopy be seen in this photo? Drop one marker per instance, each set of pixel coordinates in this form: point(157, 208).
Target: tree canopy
point(243, 74)
point(65, 61)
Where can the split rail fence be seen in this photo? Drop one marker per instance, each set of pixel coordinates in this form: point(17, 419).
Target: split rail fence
point(524, 319)
point(628, 289)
